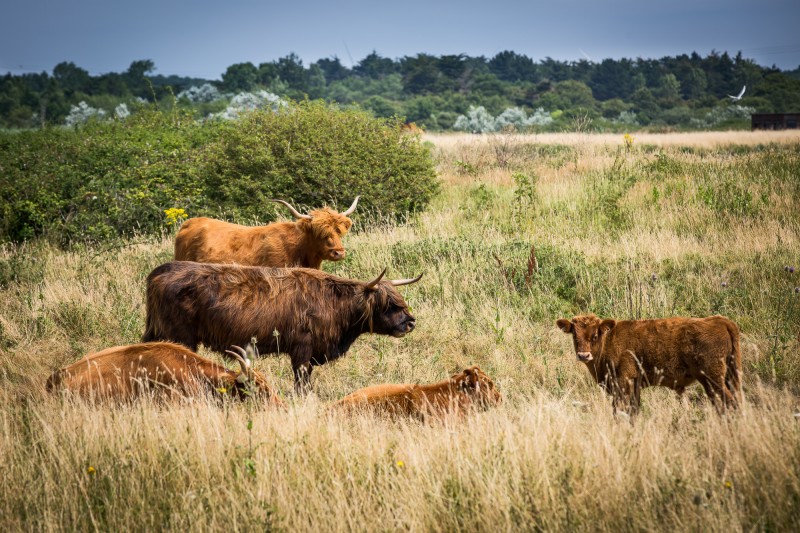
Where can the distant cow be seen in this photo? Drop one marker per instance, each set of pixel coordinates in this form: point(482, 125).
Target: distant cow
point(162, 369)
point(308, 314)
point(462, 392)
point(307, 242)
point(625, 355)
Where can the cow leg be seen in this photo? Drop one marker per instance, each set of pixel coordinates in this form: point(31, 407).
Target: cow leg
point(717, 392)
point(302, 377)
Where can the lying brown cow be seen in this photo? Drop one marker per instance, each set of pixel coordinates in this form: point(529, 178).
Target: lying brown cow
point(625, 355)
point(162, 369)
point(462, 392)
point(307, 242)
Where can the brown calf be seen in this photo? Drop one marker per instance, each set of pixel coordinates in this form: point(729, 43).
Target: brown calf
point(463, 391)
point(163, 369)
point(625, 355)
point(307, 242)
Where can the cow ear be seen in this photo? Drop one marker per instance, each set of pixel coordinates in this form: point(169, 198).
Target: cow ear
point(470, 378)
point(607, 324)
point(564, 325)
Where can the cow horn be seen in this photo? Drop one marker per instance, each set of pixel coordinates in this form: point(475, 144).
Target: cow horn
point(406, 281)
point(292, 209)
point(374, 282)
point(242, 358)
point(352, 207)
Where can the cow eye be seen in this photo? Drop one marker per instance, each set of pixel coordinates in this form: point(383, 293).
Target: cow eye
point(594, 337)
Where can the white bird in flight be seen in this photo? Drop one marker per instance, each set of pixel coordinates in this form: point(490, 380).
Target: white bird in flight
point(738, 96)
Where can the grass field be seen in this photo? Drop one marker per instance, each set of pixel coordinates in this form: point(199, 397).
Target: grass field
point(668, 225)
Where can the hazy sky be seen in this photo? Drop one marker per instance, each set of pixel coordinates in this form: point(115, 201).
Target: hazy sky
point(202, 38)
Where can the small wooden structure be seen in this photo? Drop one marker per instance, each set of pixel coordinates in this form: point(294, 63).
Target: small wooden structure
point(774, 121)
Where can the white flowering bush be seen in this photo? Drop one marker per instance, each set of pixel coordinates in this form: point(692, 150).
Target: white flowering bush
point(82, 113)
point(206, 93)
point(627, 117)
point(243, 102)
point(121, 111)
point(721, 114)
point(479, 120)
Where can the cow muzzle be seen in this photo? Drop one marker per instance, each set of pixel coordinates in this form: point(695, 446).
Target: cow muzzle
point(405, 328)
point(337, 255)
point(585, 357)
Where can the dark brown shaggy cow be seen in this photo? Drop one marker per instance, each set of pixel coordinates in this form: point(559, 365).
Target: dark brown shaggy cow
point(162, 369)
point(457, 395)
point(308, 314)
point(625, 355)
point(307, 242)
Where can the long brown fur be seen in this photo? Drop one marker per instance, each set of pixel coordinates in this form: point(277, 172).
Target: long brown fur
point(458, 395)
point(304, 243)
point(308, 314)
point(161, 369)
point(627, 355)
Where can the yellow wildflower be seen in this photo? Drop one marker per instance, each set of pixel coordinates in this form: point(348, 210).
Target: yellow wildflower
point(400, 464)
point(175, 215)
point(628, 138)
point(90, 470)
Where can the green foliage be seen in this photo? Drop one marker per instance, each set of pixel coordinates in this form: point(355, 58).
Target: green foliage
point(667, 93)
point(113, 179)
point(313, 154)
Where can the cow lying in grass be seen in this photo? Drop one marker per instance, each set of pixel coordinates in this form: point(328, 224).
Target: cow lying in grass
point(625, 355)
point(307, 242)
point(457, 395)
point(160, 369)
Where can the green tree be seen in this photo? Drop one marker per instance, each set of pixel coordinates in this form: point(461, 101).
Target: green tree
point(510, 66)
point(71, 78)
point(135, 78)
point(240, 77)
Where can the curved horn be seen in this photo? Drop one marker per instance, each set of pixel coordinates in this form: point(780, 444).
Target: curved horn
point(352, 207)
point(374, 282)
point(406, 281)
point(292, 209)
point(241, 357)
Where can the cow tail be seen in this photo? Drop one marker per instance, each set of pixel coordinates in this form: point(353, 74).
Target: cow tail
point(733, 361)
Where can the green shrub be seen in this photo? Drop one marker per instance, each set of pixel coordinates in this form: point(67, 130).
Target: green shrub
point(110, 179)
point(313, 154)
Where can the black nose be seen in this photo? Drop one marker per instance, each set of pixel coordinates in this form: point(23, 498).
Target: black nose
point(410, 325)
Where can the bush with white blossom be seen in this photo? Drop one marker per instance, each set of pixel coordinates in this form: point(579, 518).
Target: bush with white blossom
point(479, 120)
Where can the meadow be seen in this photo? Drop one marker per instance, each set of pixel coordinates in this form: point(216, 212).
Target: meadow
point(526, 230)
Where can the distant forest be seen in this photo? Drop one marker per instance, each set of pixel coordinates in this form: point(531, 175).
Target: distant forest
point(435, 92)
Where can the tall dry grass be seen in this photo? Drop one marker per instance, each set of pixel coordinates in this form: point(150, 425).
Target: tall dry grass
point(652, 231)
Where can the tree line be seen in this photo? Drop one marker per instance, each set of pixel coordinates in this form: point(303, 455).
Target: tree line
point(434, 91)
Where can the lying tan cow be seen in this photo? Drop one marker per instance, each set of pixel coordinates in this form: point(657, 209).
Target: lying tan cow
point(462, 392)
point(625, 355)
point(306, 243)
point(162, 369)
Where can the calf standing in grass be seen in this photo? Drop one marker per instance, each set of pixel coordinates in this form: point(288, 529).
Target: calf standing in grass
point(161, 369)
point(624, 355)
point(463, 391)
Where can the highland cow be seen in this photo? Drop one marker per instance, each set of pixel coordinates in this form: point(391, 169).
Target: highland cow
point(306, 243)
point(159, 369)
point(310, 315)
point(624, 356)
point(458, 395)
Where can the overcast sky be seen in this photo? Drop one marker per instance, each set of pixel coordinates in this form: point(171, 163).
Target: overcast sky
point(201, 39)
